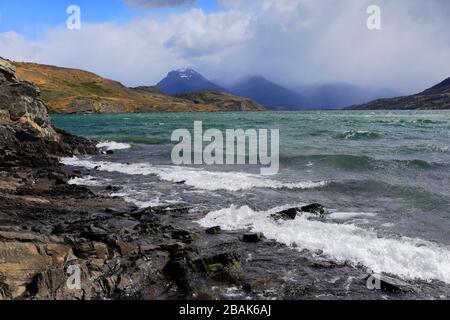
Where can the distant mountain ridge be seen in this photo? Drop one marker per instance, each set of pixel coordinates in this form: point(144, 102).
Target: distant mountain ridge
point(434, 98)
point(270, 94)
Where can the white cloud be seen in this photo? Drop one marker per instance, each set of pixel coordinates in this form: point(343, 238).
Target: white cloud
point(159, 3)
point(289, 41)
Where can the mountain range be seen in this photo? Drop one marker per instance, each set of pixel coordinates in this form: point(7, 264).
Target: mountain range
point(273, 95)
point(65, 90)
point(434, 98)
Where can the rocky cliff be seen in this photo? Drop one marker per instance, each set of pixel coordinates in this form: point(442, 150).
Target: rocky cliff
point(26, 133)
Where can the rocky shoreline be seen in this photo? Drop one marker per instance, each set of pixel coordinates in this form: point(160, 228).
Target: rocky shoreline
point(49, 228)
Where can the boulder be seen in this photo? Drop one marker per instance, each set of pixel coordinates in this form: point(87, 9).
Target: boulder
point(289, 214)
point(253, 237)
point(314, 208)
point(214, 230)
point(388, 284)
point(292, 213)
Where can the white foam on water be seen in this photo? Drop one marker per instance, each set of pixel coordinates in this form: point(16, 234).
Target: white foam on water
point(407, 258)
point(112, 145)
point(88, 181)
point(350, 215)
point(200, 179)
point(142, 204)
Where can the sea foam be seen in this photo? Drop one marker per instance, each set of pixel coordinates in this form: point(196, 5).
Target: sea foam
point(112, 145)
point(197, 178)
point(407, 258)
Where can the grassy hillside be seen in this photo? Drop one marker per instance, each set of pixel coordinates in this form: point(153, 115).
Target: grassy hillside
point(76, 91)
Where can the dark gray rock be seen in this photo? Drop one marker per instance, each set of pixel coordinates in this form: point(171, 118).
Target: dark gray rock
point(289, 214)
point(314, 208)
point(214, 230)
point(253, 237)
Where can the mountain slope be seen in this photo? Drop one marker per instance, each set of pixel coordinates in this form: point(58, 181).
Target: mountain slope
point(222, 100)
point(186, 81)
point(269, 94)
point(67, 90)
point(434, 98)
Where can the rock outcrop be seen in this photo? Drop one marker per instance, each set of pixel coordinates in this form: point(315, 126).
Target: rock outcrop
point(26, 133)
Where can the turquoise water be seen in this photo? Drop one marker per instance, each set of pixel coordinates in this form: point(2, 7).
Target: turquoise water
point(384, 175)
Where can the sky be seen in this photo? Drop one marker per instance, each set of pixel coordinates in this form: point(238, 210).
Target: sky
point(292, 42)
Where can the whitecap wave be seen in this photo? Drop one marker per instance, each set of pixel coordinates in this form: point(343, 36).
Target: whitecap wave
point(197, 178)
point(112, 145)
point(350, 215)
point(407, 258)
point(88, 181)
point(156, 202)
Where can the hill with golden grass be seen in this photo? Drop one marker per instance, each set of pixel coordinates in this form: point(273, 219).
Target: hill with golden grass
point(67, 90)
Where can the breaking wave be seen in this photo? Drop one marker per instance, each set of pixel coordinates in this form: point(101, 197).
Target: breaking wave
point(197, 178)
point(112, 145)
point(407, 258)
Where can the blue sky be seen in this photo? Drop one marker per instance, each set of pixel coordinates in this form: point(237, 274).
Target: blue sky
point(31, 17)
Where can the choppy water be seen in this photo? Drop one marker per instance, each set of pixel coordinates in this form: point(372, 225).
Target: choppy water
point(384, 175)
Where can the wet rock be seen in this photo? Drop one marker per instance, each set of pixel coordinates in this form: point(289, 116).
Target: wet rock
point(23, 257)
point(80, 192)
point(257, 284)
point(253, 237)
point(87, 250)
point(222, 267)
point(113, 188)
point(206, 296)
point(184, 236)
point(161, 210)
point(314, 208)
point(124, 248)
point(214, 230)
point(110, 210)
point(388, 284)
point(289, 214)
point(173, 247)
